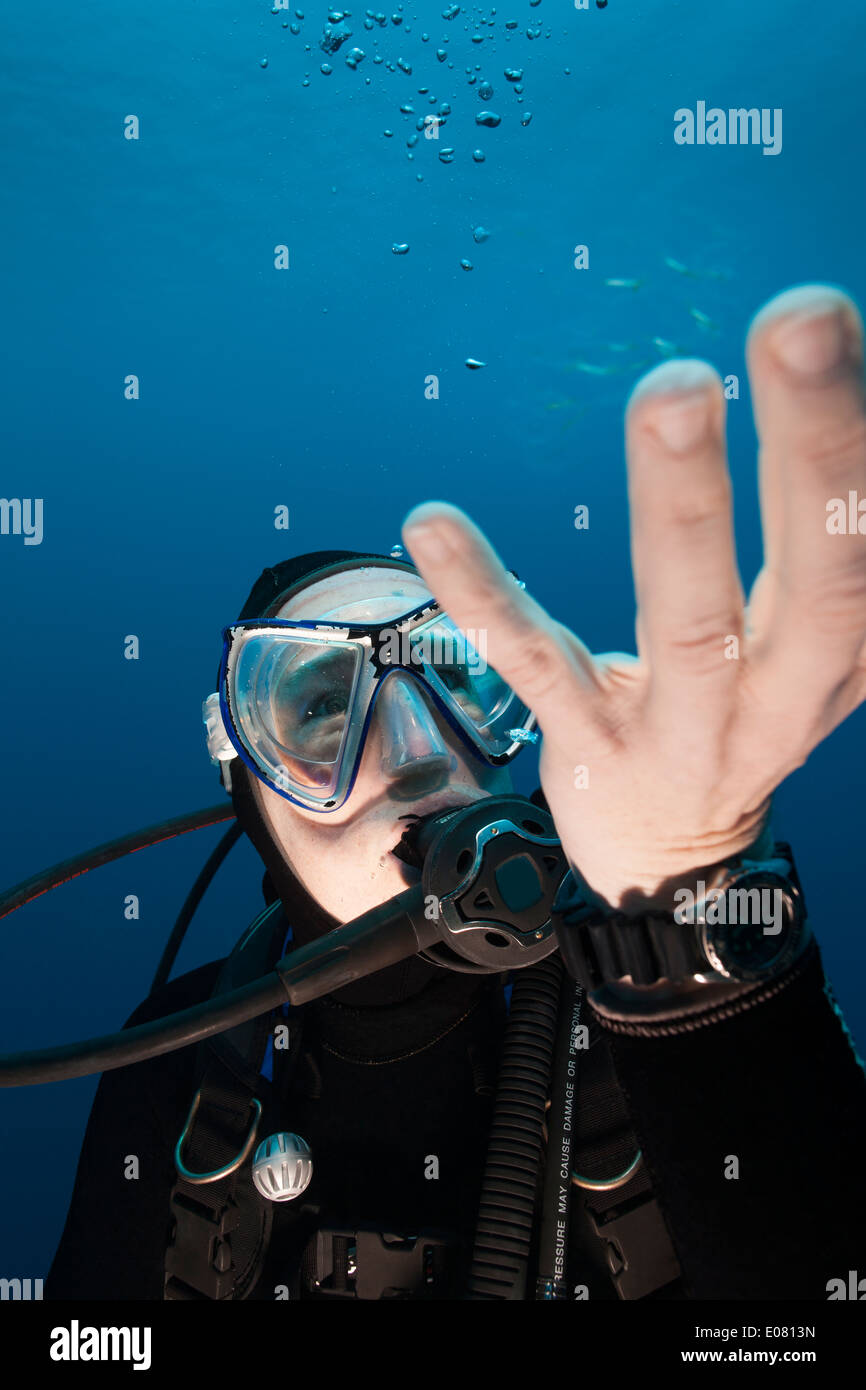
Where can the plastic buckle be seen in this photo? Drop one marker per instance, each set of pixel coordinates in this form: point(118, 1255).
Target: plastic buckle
point(199, 1263)
point(370, 1264)
point(639, 1253)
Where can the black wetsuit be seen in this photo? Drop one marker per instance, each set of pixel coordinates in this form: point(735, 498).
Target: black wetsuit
point(381, 1091)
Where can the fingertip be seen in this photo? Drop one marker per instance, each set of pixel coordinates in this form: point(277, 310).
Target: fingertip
point(434, 531)
point(429, 514)
point(802, 307)
point(679, 377)
point(678, 405)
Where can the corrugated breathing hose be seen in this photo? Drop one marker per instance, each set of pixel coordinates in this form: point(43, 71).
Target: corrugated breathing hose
point(508, 1195)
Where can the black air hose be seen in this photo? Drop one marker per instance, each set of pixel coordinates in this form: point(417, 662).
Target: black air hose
point(506, 1212)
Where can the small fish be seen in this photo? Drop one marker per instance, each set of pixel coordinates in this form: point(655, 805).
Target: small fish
point(592, 370)
point(473, 364)
point(695, 274)
point(703, 320)
point(569, 412)
point(623, 284)
point(678, 267)
point(620, 347)
point(665, 347)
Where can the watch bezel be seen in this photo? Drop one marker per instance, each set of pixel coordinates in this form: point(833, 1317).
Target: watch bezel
point(712, 940)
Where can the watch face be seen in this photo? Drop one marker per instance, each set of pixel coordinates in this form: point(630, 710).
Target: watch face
point(755, 929)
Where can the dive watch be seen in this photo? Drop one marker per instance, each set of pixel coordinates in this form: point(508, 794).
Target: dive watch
point(747, 925)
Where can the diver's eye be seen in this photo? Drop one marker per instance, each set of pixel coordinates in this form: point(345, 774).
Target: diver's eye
point(452, 677)
point(326, 706)
point(459, 684)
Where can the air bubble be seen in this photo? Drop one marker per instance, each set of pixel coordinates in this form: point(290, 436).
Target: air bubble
point(334, 35)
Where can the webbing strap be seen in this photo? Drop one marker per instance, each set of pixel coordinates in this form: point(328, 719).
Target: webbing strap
point(627, 1220)
point(220, 1229)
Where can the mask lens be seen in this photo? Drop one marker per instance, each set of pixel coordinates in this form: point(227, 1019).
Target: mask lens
point(291, 701)
point(456, 666)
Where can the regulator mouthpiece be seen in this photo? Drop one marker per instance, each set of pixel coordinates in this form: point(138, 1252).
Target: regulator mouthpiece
point(492, 870)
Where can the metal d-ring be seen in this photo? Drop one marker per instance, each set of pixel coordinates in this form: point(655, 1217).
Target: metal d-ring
point(608, 1184)
point(229, 1167)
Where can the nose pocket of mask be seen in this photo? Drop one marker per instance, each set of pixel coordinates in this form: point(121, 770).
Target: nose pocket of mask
point(411, 736)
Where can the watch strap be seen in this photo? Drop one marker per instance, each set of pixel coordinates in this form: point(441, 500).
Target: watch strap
point(598, 949)
point(601, 945)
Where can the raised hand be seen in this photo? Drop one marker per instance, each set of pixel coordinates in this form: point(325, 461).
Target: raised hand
point(658, 766)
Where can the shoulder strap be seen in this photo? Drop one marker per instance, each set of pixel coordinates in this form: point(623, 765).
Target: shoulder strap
point(620, 1213)
point(221, 1227)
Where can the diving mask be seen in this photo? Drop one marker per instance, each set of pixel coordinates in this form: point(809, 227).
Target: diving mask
point(296, 697)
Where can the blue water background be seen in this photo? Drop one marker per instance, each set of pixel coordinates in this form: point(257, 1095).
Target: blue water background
point(306, 388)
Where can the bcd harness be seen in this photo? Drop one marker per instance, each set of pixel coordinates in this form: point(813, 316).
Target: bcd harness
point(221, 1228)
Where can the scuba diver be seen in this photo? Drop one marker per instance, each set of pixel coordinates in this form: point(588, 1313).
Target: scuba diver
point(575, 1046)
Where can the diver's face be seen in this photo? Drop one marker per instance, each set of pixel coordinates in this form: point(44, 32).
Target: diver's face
point(412, 764)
